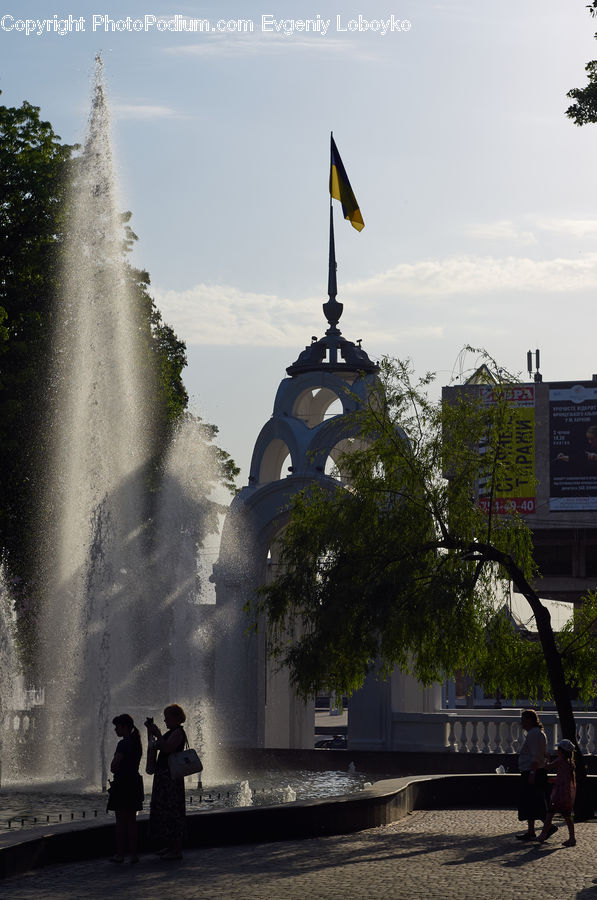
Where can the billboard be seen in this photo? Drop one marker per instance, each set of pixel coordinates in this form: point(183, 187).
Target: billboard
point(514, 488)
point(573, 445)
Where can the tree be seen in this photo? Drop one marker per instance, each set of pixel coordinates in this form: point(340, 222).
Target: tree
point(584, 110)
point(34, 168)
point(401, 566)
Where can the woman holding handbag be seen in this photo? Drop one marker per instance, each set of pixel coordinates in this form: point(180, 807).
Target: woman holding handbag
point(167, 809)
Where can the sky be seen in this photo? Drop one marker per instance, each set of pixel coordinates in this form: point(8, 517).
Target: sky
point(479, 196)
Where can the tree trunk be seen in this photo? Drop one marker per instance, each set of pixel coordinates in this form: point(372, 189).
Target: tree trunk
point(553, 660)
point(557, 680)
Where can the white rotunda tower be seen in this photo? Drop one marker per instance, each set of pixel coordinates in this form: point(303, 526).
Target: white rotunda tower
point(308, 431)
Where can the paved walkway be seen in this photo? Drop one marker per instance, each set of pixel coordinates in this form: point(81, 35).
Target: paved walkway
point(454, 855)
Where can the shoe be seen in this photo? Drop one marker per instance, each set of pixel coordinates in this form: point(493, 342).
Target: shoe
point(547, 834)
point(117, 859)
point(525, 837)
point(134, 859)
point(162, 851)
point(571, 842)
point(171, 855)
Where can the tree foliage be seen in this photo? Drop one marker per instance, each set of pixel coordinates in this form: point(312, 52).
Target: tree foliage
point(401, 567)
point(514, 663)
point(34, 168)
point(584, 109)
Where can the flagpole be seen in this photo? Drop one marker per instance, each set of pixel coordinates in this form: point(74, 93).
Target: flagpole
point(333, 267)
point(332, 309)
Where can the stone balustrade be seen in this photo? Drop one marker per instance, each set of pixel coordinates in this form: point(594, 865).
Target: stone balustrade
point(480, 731)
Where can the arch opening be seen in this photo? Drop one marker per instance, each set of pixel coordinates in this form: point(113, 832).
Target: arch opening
point(316, 404)
point(333, 464)
point(275, 461)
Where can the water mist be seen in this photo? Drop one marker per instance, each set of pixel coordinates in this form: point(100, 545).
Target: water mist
point(106, 638)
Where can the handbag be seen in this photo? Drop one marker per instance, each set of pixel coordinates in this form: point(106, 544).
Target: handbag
point(185, 762)
point(152, 756)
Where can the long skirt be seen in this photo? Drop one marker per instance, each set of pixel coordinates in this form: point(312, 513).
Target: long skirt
point(167, 808)
point(532, 802)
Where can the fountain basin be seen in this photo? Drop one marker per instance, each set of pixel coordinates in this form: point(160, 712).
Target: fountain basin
point(85, 839)
point(383, 803)
point(44, 804)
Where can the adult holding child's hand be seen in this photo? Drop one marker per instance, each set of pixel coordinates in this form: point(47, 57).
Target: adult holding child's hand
point(532, 760)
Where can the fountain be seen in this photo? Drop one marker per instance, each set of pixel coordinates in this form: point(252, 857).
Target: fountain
point(288, 794)
point(8, 679)
point(245, 794)
point(123, 624)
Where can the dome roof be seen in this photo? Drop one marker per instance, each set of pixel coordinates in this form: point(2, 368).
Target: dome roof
point(332, 352)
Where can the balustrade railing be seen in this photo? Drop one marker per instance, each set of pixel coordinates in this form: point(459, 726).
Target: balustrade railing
point(492, 734)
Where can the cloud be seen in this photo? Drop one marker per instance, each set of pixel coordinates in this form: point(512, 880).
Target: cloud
point(480, 275)
point(222, 314)
point(508, 230)
point(253, 45)
point(417, 301)
point(574, 227)
point(504, 229)
point(143, 111)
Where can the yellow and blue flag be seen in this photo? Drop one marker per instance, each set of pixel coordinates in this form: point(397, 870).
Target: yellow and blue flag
point(341, 190)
